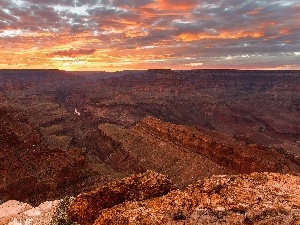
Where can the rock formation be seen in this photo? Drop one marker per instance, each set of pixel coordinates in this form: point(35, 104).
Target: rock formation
point(15, 213)
point(135, 150)
point(32, 173)
point(87, 206)
point(260, 106)
point(231, 154)
point(258, 198)
point(188, 125)
point(182, 152)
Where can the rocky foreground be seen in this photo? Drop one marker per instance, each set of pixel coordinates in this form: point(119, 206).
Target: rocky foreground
point(18, 213)
point(150, 198)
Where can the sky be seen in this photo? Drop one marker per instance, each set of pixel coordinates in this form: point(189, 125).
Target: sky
point(116, 35)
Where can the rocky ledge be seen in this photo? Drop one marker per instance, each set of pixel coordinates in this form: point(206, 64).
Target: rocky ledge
point(87, 206)
point(257, 198)
point(149, 198)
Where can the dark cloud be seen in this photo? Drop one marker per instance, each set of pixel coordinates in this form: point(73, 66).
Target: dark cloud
point(43, 13)
point(7, 18)
point(131, 3)
point(4, 4)
point(72, 53)
point(177, 31)
point(102, 12)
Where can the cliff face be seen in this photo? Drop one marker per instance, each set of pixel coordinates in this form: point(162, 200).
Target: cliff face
point(260, 106)
point(42, 143)
point(30, 172)
point(257, 198)
point(230, 154)
point(104, 147)
point(182, 152)
point(60, 135)
point(131, 151)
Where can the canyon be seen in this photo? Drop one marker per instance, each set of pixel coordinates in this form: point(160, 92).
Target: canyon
point(63, 134)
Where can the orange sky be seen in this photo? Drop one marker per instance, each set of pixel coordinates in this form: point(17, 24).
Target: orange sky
point(140, 34)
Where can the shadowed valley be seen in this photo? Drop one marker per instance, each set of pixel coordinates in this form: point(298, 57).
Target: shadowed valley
point(63, 134)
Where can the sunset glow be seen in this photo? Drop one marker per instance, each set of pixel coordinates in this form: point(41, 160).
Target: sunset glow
point(140, 34)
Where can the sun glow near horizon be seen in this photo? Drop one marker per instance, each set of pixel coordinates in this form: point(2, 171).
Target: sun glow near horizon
point(117, 35)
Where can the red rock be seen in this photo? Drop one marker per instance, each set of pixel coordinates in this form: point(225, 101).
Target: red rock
point(233, 155)
point(87, 206)
point(258, 198)
point(31, 173)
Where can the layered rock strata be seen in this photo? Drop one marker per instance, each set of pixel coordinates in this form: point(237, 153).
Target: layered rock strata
point(234, 155)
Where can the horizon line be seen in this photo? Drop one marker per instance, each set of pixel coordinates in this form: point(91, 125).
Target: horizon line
point(152, 69)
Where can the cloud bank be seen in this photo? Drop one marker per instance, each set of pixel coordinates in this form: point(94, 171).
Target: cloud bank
point(141, 34)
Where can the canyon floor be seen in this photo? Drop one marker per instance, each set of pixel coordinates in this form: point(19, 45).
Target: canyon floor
point(63, 135)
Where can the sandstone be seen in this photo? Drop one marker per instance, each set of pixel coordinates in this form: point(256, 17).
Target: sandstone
point(87, 206)
point(137, 150)
point(229, 154)
point(17, 213)
point(259, 198)
point(32, 173)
